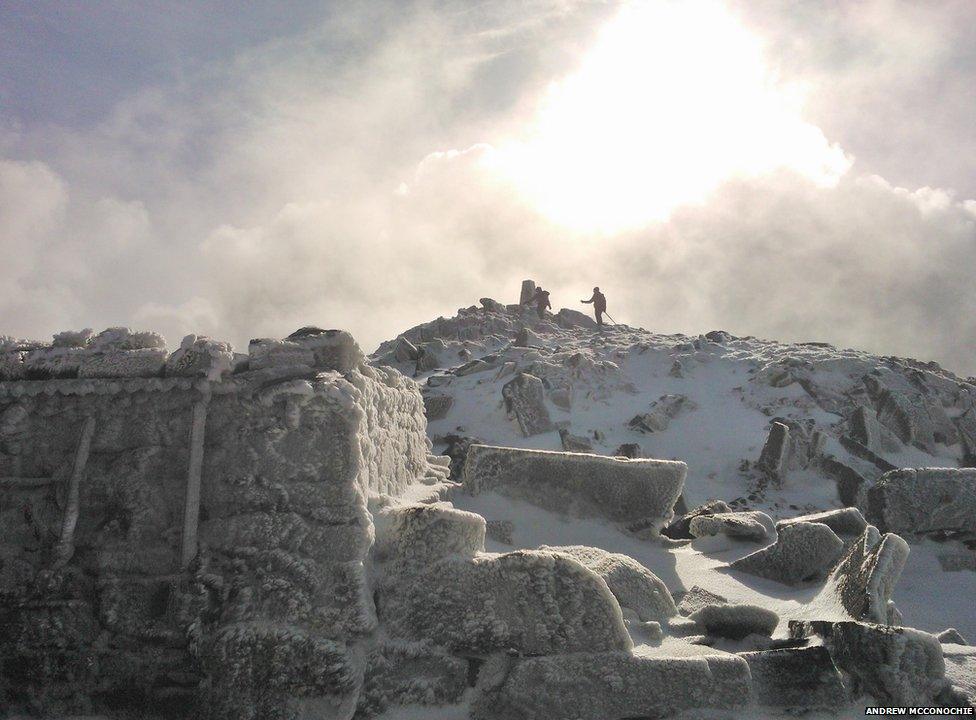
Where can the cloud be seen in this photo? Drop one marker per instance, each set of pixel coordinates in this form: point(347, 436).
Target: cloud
point(310, 179)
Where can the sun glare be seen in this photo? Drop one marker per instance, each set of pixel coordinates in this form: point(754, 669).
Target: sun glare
point(673, 99)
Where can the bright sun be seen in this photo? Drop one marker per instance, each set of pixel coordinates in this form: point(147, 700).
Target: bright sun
point(673, 99)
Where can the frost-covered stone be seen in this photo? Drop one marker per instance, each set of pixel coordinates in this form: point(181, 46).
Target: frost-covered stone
point(803, 678)
point(73, 338)
point(330, 349)
point(803, 551)
point(951, 636)
point(576, 483)
point(680, 528)
point(698, 597)
point(54, 362)
point(199, 356)
point(735, 621)
point(121, 338)
point(421, 534)
point(437, 406)
point(591, 686)
point(924, 500)
point(663, 411)
point(574, 443)
point(865, 578)
point(775, 453)
point(111, 363)
point(535, 602)
point(405, 351)
point(500, 531)
point(525, 400)
point(845, 521)
point(753, 525)
point(268, 352)
point(12, 365)
point(270, 672)
point(633, 585)
point(410, 673)
point(897, 666)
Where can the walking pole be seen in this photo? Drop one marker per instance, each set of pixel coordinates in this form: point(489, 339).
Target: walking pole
point(610, 316)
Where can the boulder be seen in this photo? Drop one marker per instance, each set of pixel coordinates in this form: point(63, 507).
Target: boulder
point(697, 598)
point(331, 349)
point(775, 452)
point(960, 670)
point(803, 551)
point(735, 621)
point(567, 318)
point(436, 407)
point(865, 429)
point(574, 443)
point(851, 485)
point(608, 686)
point(634, 586)
point(629, 450)
point(680, 528)
point(753, 525)
point(405, 351)
point(537, 603)
point(663, 411)
point(491, 305)
point(865, 578)
point(580, 484)
point(802, 678)
point(427, 360)
point(924, 500)
point(846, 521)
point(896, 665)
point(951, 636)
point(525, 400)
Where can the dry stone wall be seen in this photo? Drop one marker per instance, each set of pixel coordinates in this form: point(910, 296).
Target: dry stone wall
point(192, 538)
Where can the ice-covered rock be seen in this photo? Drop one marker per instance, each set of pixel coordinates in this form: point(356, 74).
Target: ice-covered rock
point(845, 521)
point(269, 352)
point(421, 534)
point(199, 356)
point(271, 671)
point(576, 483)
point(680, 528)
point(697, 598)
point(663, 411)
point(951, 636)
point(113, 363)
point(865, 577)
point(330, 349)
point(574, 443)
point(751, 525)
point(537, 603)
point(603, 686)
point(796, 679)
point(735, 621)
point(436, 406)
point(634, 586)
point(410, 673)
point(896, 665)
point(924, 500)
point(803, 551)
point(500, 531)
point(525, 400)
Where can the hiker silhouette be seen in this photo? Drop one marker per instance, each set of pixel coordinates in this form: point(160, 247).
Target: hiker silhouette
point(599, 302)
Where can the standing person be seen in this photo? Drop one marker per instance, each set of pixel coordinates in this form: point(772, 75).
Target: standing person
point(541, 300)
point(599, 301)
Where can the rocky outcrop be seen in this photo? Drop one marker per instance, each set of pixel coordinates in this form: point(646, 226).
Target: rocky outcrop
point(579, 484)
point(803, 551)
point(526, 401)
point(924, 500)
point(754, 526)
point(865, 578)
point(797, 679)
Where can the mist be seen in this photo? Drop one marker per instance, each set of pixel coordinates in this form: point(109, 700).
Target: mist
point(344, 171)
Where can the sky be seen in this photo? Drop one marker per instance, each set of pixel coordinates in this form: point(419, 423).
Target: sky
point(800, 170)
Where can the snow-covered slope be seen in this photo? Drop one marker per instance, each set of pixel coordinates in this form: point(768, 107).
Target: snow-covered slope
point(786, 429)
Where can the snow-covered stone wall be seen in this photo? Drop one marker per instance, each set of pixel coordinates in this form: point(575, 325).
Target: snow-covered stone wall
point(194, 520)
